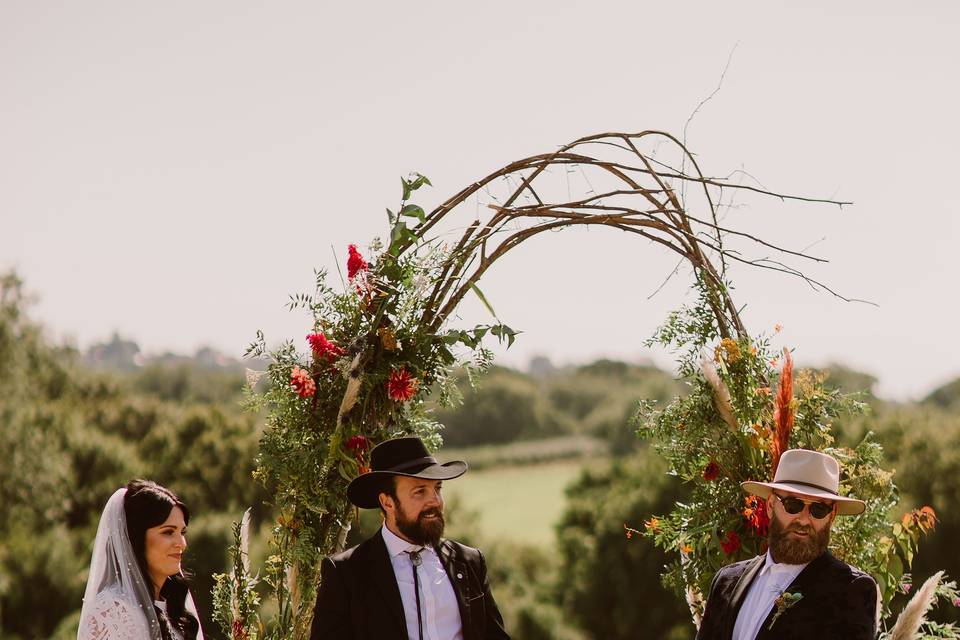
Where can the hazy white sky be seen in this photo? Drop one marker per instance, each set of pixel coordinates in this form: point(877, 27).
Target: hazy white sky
point(173, 170)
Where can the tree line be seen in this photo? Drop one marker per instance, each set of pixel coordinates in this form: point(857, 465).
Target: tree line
point(75, 426)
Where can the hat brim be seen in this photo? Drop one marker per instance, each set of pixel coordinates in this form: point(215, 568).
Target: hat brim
point(364, 491)
point(845, 506)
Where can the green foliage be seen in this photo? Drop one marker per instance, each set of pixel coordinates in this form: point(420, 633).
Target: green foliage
point(236, 593)
point(946, 397)
point(73, 437)
point(602, 575)
point(374, 357)
point(595, 400)
point(728, 430)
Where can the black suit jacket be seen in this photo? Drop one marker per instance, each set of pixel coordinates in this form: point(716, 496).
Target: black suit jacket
point(359, 598)
point(839, 603)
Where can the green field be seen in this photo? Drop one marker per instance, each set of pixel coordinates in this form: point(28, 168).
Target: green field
point(518, 503)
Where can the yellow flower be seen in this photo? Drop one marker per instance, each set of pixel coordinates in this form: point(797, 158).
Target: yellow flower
point(387, 338)
point(728, 350)
point(758, 436)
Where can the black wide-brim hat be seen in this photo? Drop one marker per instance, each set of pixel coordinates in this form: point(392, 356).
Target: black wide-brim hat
point(399, 457)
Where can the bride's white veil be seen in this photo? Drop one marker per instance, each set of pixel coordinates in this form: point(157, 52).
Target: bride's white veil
point(117, 602)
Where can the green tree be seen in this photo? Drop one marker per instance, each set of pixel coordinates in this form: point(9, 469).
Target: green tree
point(608, 583)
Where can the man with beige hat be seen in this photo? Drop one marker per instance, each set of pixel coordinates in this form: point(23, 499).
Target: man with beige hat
point(797, 589)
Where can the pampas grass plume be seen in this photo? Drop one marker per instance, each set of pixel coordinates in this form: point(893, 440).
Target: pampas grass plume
point(914, 614)
point(721, 395)
point(353, 388)
point(245, 541)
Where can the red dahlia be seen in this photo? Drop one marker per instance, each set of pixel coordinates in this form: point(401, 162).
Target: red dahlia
point(323, 349)
point(731, 543)
point(358, 444)
point(402, 385)
point(711, 472)
point(757, 516)
point(355, 263)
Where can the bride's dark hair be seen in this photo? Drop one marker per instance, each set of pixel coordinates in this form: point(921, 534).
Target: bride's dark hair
point(146, 505)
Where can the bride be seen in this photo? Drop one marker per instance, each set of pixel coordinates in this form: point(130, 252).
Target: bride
point(136, 589)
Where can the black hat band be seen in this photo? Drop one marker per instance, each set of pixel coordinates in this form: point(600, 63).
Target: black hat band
point(410, 464)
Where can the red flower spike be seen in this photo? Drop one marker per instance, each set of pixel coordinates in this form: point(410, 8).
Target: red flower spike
point(302, 383)
point(731, 543)
point(782, 414)
point(711, 472)
point(355, 263)
point(402, 385)
point(239, 632)
point(323, 349)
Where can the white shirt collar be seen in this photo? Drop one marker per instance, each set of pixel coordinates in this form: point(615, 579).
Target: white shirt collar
point(397, 545)
point(769, 565)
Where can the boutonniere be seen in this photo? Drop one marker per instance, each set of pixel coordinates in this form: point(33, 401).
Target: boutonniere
point(782, 603)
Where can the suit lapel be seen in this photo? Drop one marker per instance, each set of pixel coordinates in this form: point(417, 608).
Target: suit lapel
point(456, 573)
point(381, 571)
point(805, 583)
point(740, 592)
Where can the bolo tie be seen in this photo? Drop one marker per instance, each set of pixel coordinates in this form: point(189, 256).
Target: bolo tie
point(416, 562)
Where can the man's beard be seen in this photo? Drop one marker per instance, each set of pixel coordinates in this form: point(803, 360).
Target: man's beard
point(792, 550)
point(422, 530)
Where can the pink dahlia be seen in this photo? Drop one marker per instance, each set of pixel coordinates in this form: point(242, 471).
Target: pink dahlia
point(302, 383)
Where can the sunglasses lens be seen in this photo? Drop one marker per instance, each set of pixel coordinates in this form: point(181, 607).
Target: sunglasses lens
point(820, 510)
point(791, 505)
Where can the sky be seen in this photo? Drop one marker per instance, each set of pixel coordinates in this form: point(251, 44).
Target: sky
point(174, 170)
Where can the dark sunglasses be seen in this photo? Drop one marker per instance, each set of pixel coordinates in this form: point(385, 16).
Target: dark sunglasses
point(793, 506)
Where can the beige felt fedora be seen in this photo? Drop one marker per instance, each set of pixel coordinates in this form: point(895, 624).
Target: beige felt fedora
point(808, 473)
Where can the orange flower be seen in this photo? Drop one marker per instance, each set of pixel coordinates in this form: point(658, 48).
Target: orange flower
point(777, 327)
point(686, 549)
point(762, 391)
point(924, 519)
point(653, 524)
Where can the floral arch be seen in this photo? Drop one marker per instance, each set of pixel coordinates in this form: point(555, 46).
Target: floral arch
point(380, 344)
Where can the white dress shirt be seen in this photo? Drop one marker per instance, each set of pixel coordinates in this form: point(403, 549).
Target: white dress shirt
point(772, 580)
point(438, 602)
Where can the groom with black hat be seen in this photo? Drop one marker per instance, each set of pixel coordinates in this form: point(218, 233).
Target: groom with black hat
point(406, 582)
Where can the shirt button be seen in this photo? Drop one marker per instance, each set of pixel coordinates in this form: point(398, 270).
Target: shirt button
point(460, 576)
